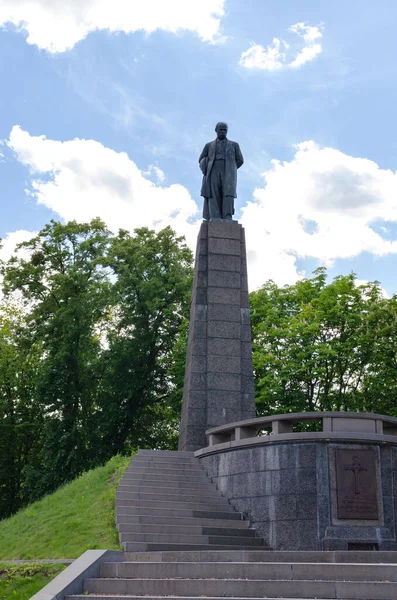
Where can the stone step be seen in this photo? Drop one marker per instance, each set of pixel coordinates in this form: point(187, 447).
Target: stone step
point(165, 487)
point(139, 479)
point(175, 495)
point(198, 505)
point(195, 467)
point(251, 570)
point(133, 547)
point(243, 588)
point(174, 460)
point(182, 521)
point(169, 538)
point(178, 529)
point(164, 474)
point(169, 453)
point(267, 555)
point(129, 597)
point(173, 512)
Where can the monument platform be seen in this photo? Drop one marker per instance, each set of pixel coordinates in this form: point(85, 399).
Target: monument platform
point(332, 489)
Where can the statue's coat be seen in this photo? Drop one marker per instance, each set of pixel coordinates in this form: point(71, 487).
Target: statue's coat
point(233, 161)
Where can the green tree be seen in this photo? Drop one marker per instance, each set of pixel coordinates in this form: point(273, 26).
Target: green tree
point(21, 417)
point(319, 346)
point(152, 298)
point(66, 291)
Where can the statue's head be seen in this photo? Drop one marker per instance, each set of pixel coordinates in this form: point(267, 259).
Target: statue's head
point(221, 130)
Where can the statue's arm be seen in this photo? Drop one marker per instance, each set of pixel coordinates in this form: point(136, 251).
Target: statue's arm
point(239, 156)
point(204, 153)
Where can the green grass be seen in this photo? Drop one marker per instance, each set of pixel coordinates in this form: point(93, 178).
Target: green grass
point(20, 582)
point(77, 517)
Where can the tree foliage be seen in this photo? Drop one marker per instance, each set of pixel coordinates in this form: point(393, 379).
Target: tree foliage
point(91, 359)
point(320, 346)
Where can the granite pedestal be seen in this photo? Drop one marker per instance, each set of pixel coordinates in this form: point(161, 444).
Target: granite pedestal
point(219, 382)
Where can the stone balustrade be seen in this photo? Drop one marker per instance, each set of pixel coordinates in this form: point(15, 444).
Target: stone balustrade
point(334, 426)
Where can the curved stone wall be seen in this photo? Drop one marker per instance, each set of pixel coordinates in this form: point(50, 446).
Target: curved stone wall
point(295, 493)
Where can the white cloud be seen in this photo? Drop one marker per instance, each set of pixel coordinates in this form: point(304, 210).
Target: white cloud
point(319, 205)
point(155, 172)
point(12, 239)
point(82, 179)
point(278, 55)
point(57, 25)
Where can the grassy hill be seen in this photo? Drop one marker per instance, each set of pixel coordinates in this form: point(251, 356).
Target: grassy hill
point(20, 582)
point(77, 517)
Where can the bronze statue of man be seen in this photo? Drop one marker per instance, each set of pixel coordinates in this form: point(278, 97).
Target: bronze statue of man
point(219, 162)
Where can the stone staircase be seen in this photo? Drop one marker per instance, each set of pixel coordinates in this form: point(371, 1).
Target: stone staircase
point(216, 575)
point(183, 541)
point(166, 502)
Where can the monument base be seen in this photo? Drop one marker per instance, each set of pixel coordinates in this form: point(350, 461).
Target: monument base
point(219, 380)
point(327, 490)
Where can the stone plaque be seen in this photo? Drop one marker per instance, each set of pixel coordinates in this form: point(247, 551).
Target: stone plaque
point(356, 484)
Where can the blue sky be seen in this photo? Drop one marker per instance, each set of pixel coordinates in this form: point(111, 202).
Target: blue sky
point(105, 107)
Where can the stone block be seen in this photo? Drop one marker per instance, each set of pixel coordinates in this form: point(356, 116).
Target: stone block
point(245, 316)
point(224, 312)
point(284, 535)
point(202, 263)
point(199, 347)
point(224, 381)
point(220, 295)
point(246, 350)
point(222, 262)
point(203, 233)
point(223, 399)
point(246, 367)
point(201, 279)
point(198, 364)
point(224, 246)
point(251, 485)
point(223, 347)
point(197, 399)
point(197, 418)
point(394, 458)
point(248, 406)
point(280, 456)
point(244, 299)
point(198, 382)
point(307, 535)
point(288, 481)
point(388, 510)
point(200, 329)
point(221, 414)
point(224, 329)
point(225, 279)
point(223, 229)
point(203, 247)
point(306, 506)
point(200, 296)
point(258, 460)
point(225, 364)
point(247, 384)
point(260, 508)
point(244, 283)
point(283, 508)
point(246, 333)
point(199, 312)
point(306, 455)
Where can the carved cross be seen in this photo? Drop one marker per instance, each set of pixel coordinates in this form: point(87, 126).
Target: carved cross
point(356, 468)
